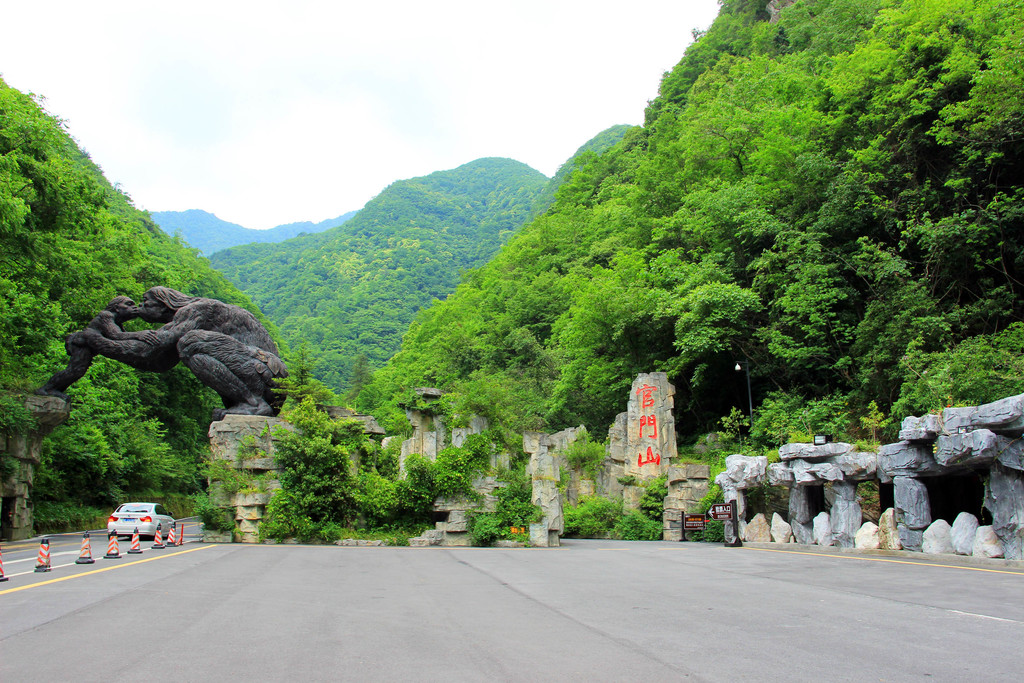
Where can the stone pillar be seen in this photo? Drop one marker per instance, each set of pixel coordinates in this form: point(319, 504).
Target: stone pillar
point(913, 512)
point(24, 449)
point(800, 517)
point(1004, 498)
point(608, 484)
point(245, 443)
point(650, 427)
point(846, 514)
point(544, 474)
point(733, 494)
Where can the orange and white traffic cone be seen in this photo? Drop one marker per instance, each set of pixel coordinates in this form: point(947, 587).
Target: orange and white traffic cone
point(85, 554)
point(159, 541)
point(170, 535)
point(2, 577)
point(135, 549)
point(113, 552)
point(43, 560)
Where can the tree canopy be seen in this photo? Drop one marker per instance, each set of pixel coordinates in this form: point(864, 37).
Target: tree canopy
point(352, 290)
point(70, 242)
point(835, 197)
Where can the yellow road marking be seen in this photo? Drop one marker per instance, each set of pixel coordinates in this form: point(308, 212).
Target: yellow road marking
point(105, 569)
point(885, 559)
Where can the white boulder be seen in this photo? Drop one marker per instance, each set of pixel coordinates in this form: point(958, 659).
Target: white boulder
point(962, 533)
point(888, 535)
point(782, 532)
point(986, 543)
point(822, 530)
point(757, 530)
point(867, 537)
point(937, 539)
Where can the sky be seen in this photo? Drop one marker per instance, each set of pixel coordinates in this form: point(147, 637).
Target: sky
point(266, 113)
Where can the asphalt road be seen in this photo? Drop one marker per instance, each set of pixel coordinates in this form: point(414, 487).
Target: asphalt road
point(19, 557)
point(591, 610)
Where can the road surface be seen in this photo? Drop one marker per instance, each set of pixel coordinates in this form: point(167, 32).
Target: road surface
point(588, 611)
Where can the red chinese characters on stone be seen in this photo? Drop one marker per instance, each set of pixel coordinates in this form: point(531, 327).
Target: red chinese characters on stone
point(649, 421)
point(646, 393)
point(651, 458)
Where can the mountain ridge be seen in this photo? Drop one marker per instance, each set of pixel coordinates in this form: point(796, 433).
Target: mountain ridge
point(210, 234)
point(352, 290)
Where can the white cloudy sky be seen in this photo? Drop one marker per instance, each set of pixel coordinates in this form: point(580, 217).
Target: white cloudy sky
point(272, 112)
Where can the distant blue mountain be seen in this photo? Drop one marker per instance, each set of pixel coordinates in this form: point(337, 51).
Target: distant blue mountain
point(209, 234)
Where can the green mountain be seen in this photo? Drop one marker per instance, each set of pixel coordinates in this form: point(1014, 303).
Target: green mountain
point(69, 242)
point(597, 145)
point(836, 197)
point(209, 234)
point(351, 291)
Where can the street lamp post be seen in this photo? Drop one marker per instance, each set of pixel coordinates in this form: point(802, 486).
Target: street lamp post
point(745, 365)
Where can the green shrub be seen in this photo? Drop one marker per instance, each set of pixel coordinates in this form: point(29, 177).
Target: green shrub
point(714, 532)
point(637, 526)
point(585, 456)
point(515, 506)
point(387, 504)
point(788, 417)
point(213, 518)
point(485, 528)
point(652, 503)
point(15, 417)
point(593, 517)
point(975, 371)
point(284, 519)
point(316, 469)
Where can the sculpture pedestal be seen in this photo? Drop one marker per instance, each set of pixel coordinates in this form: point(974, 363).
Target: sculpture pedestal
point(245, 444)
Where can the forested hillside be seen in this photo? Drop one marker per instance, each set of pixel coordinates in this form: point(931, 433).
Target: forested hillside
point(349, 293)
point(209, 234)
point(835, 198)
point(69, 242)
point(597, 145)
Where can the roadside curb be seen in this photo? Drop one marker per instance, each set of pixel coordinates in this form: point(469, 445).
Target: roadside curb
point(923, 558)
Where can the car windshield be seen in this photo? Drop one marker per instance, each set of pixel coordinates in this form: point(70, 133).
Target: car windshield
point(134, 508)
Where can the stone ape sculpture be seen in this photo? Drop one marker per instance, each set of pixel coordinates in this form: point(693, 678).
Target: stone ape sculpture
point(225, 346)
point(108, 324)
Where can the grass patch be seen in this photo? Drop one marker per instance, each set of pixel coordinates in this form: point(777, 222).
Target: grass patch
point(56, 518)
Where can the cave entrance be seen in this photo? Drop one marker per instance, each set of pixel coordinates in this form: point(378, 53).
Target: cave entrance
point(7, 518)
point(948, 496)
point(816, 500)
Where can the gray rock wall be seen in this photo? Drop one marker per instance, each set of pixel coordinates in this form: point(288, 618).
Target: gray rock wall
point(984, 439)
point(25, 449)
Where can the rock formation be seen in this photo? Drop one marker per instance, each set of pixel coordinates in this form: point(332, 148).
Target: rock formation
point(867, 537)
point(25, 449)
point(782, 532)
point(937, 539)
point(962, 533)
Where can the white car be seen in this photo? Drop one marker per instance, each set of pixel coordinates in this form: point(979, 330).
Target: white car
point(142, 516)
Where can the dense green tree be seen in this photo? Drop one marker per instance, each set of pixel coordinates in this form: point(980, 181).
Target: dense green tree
point(825, 196)
point(352, 290)
point(69, 242)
